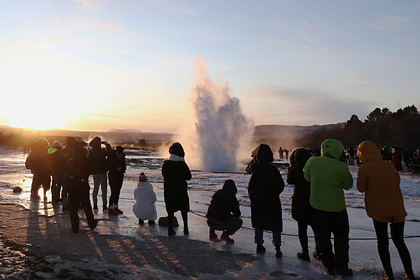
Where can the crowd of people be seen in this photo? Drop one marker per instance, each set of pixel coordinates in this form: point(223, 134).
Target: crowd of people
point(318, 197)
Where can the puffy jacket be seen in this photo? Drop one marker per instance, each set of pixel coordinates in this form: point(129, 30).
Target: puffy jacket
point(145, 197)
point(329, 177)
point(380, 181)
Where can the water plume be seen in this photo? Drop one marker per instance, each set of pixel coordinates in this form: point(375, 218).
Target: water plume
point(220, 127)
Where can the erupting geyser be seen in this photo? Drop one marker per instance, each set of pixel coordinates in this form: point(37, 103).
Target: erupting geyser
point(220, 125)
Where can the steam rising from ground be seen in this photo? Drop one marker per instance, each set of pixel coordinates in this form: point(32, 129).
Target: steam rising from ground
point(220, 129)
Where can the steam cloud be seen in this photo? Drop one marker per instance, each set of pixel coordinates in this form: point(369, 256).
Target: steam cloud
point(220, 126)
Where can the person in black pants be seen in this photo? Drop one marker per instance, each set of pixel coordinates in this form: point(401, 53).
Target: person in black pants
point(301, 208)
point(175, 175)
point(117, 167)
point(223, 212)
point(77, 178)
point(380, 181)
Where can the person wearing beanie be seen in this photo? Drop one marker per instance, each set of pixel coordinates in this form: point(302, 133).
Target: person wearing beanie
point(380, 181)
point(175, 175)
point(329, 177)
point(145, 197)
point(117, 167)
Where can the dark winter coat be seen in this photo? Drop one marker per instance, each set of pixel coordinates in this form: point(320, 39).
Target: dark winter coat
point(77, 172)
point(55, 163)
point(98, 157)
point(175, 174)
point(264, 190)
point(301, 208)
point(115, 162)
point(224, 203)
point(38, 161)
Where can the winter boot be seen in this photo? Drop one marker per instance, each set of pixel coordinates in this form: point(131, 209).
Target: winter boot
point(94, 224)
point(225, 237)
point(315, 254)
point(212, 235)
point(141, 222)
point(186, 231)
point(117, 210)
point(344, 272)
point(111, 211)
point(277, 251)
point(304, 255)
point(151, 222)
point(260, 249)
point(171, 231)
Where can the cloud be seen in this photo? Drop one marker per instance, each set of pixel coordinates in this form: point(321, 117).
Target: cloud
point(358, 80)
point(390, 22)
point(101, 26)
point(90, 4)
point(304, 107)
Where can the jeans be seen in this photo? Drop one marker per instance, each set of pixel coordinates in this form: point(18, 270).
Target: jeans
point(115, 182)
point(99, 179)
point(260, 240)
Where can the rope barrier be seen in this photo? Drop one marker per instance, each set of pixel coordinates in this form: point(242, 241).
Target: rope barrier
point(283, 233)
point(291, 234)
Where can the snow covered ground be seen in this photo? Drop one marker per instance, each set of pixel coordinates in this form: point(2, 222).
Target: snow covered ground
point(364, 259)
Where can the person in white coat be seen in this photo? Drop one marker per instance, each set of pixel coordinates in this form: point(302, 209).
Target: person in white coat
point(145, 197)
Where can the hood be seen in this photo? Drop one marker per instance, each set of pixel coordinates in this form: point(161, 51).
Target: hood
point(299, 156)
point(332, 147)
point(95, 143)
point(177, 149)
point(230, 186)
point(368, 151)
point(263, 153)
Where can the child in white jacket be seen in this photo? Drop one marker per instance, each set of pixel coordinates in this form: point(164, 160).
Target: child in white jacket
point(145, 197)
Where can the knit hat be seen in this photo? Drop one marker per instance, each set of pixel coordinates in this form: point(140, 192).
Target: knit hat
point(176, 149)
point(142, 177)
point(56, 144)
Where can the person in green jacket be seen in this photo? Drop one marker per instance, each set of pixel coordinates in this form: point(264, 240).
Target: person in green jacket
point(329, 178)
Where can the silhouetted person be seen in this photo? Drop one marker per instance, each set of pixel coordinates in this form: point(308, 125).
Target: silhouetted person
point(223, 212)
point(66, 154)
point(116, 172)
point(98, 162)
point(286, 151)
point(301, 208)
point(77, 175)
point(264, 190)
point(380, 181)
point(281, 153)
point(56, 171)
point(175, 175)
point(38, 163)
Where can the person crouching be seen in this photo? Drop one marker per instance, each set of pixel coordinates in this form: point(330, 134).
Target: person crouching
point(223, 212)
point(145, 197)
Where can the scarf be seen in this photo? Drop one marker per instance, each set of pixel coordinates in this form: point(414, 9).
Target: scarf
point(176, 158)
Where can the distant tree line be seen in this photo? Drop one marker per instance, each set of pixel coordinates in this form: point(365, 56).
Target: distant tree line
point(399, 129)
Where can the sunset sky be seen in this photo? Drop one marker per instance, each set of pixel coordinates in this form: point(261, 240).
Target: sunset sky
point(98, 65)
